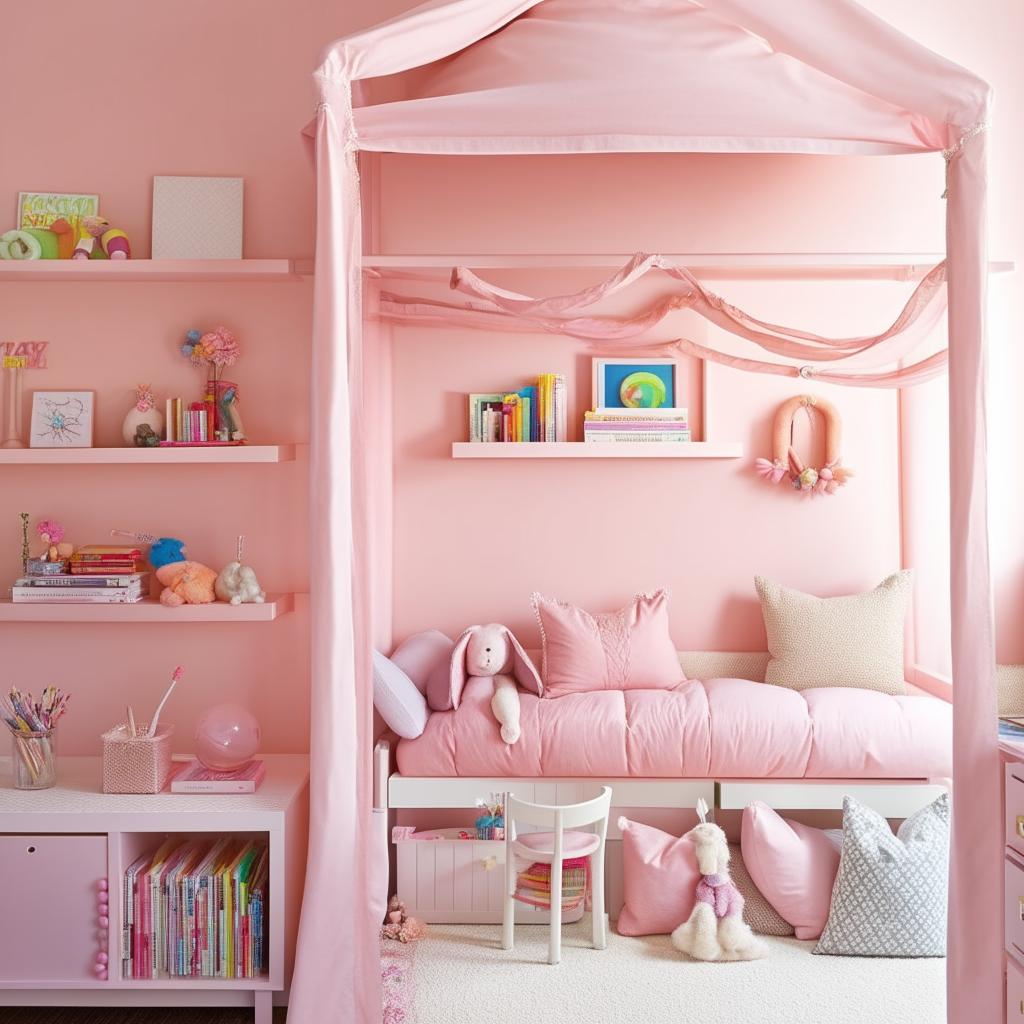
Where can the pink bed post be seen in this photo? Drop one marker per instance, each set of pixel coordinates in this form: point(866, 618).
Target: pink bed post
point(975, 964)
point(337, 965)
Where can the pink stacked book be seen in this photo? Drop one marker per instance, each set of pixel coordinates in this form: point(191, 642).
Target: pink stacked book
point(196, 778)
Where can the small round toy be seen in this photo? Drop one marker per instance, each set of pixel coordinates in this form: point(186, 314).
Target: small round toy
point(226, 737)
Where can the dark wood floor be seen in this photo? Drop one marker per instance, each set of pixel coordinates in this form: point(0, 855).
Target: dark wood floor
point(161, 1015)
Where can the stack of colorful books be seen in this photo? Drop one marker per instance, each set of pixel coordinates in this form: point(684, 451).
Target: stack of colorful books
point(533, 886)
point(629, 425)
point(196, 908)
point(94, 588)
point(537, 412)
point(96, 574)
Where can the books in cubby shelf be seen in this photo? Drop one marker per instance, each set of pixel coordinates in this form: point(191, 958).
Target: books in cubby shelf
point(608, 426)
point(196, 908)
point(537, 412)
point(94, 574)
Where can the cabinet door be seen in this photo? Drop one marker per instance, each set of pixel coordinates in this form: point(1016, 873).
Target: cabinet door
point(50, 930)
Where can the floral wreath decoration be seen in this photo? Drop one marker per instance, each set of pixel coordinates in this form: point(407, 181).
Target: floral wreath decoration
point(786, 462)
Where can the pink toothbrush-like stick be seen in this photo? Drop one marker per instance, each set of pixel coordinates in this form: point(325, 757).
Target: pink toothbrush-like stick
point(151, 731)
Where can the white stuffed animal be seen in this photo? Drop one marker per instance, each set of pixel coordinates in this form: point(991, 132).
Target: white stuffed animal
point(716, 929)
point(237, 583)
point(492, 651)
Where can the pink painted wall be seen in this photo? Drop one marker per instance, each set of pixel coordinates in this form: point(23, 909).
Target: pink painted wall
point(222, 89)
point(472, 539)
point(187, 88)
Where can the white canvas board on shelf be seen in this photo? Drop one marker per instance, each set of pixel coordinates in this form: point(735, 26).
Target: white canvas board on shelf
point(197, 218)
point(62, 419)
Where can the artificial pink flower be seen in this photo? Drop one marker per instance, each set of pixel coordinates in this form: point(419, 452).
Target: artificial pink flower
point(220, 347)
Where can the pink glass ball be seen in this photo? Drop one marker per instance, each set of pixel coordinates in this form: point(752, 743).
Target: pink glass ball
point(103, 959)
point(226, 737)
point(104, 921)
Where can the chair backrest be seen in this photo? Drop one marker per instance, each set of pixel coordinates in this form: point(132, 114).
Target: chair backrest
point(557, 817)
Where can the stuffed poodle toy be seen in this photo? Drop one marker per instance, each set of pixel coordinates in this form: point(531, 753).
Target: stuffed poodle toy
point(492, 651)
point(716, 929)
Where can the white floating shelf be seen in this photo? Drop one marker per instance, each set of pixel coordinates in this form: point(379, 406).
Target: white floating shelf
point(150, 610)
point(155, 270)
point(597, 450)
point(241, 453)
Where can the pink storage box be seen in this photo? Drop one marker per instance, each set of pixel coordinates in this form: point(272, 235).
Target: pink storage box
point(136, 764)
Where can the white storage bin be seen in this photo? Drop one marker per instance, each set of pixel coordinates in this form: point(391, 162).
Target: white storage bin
point(449, 880)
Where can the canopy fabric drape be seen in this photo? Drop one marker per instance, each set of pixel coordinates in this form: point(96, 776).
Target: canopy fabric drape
point(499, 309)
point(807, 76)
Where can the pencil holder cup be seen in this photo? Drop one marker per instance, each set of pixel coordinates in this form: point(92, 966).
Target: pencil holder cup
point(136, 764)
point(34, 759)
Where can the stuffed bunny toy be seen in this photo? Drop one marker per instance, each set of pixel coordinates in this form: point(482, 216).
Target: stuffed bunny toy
point(237, 584)
point(716, 929)
point(492, 651)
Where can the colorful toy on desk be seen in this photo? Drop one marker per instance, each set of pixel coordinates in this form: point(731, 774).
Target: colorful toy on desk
point(113, 242)
point(237, 583)
point(226, 737)
point(143, 413)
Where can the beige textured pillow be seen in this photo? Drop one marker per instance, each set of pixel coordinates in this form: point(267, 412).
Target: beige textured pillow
point(836, 641)
point(762, 917)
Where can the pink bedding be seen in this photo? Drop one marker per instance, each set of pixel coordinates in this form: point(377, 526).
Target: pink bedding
point(715, 728)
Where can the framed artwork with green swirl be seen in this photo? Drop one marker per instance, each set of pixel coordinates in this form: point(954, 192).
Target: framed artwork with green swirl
point(634, 384)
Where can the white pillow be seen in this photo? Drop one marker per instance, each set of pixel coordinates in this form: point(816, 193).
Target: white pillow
point(852, 641)
point(395, 696)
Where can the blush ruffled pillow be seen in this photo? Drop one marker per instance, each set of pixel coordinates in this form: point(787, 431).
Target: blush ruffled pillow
point(630, 649)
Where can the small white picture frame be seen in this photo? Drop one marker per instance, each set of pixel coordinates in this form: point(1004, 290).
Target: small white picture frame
point(62, 419)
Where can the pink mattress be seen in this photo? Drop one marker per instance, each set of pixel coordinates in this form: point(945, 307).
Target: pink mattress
point(716, 728)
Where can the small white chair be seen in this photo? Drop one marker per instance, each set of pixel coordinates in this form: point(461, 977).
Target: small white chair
point(552, 848)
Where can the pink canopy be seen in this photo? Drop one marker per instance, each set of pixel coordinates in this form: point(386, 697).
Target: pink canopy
point(569, 76)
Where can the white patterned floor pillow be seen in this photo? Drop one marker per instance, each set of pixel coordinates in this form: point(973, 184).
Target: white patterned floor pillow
point(890, 893)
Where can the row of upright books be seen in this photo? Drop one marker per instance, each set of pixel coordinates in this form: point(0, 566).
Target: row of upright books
point(94, 574)
point(537, 412)
point(190, 422)
point(196, 908)
point(608, 426)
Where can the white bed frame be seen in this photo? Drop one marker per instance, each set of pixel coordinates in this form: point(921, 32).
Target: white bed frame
point(893, 798)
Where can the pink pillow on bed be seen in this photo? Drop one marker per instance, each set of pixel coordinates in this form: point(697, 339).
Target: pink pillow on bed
point(424, 658)
point(793, 865)
point(659, 880)
point(625, 650)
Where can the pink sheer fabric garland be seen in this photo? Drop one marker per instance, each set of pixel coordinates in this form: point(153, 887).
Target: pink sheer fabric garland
point(495, 307)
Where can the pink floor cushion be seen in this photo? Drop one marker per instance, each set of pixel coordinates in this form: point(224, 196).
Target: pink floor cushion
point(574, 844)
point(629, 649)
point(659, 880)
point(793, 865)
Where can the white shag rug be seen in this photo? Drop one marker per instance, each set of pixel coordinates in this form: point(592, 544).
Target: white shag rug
point(461, 975)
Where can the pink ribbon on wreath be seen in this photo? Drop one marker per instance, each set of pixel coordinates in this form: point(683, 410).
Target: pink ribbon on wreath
point(772, 471)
